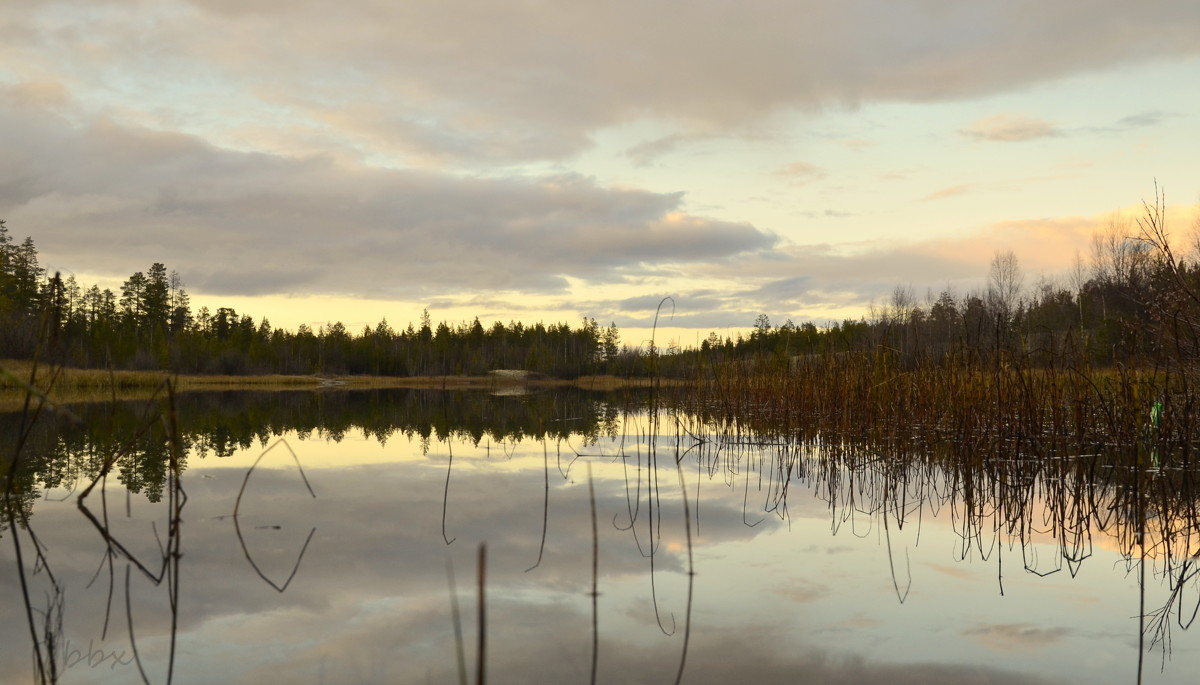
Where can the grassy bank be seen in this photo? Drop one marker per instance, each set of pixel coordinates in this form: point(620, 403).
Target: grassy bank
point(66, 385)
point(18, 373)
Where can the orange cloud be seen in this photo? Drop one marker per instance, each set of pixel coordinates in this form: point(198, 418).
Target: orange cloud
point(946, 192)
point(1051, 243)
point(801, 172)
point(50, 95)
point(1010, 129)
point(855, 144)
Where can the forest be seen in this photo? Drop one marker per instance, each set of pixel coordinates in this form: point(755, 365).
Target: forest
point(1132, 302)
point(150, 325)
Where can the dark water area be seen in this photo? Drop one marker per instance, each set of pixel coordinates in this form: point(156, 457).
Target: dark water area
point(345, 537)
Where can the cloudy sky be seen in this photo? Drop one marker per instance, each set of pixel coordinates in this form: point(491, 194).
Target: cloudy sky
point(546, 160)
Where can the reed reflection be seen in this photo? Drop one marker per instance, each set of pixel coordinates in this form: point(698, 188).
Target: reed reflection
point(1016, 503)
point(670, 485)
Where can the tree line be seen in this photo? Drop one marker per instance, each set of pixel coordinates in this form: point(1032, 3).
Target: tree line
point(1135, 301)
point(60, 450)
point(149, 324)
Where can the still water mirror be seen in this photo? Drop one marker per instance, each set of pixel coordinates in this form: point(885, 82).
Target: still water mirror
point(563, 536)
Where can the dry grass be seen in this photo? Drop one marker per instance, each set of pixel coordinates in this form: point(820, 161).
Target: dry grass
point(81, 379)
point(70, 385)
point(619, 383)
point(978, 406)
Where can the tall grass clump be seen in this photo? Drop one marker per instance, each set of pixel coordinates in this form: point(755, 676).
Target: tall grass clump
point(981, 406)
point(995, 377)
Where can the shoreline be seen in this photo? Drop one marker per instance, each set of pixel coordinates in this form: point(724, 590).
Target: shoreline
point(71, 385)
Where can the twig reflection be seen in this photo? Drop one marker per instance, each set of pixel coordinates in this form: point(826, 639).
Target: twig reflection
point(237, 524)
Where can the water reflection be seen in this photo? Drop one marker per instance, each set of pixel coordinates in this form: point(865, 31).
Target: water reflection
point(656, 545)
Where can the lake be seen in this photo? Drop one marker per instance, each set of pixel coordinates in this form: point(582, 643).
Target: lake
point(613, 537)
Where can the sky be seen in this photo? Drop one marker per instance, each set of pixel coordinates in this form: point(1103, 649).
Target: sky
point(543, 160)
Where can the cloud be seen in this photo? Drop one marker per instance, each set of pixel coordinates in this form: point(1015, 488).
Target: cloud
point(647, 303)
point(38, 95)
point(1010, 129)
point(845, 277)
point(801, 282)
point(109, 198)
point(448, 82)
point(800, 173)
point(1143, 119)
point(793, 289)
point(1019, 128)
point(649, 151)
point(819, 281)
point(826, 214)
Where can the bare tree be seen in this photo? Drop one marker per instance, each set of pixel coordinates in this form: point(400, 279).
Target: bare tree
point(1194, 256)
point(1004, 284)
point(902, 305)
point(1077, 278)
point(1119, 257)
point(1175, 303)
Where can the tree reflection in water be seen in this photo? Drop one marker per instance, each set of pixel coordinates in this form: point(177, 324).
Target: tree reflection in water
point(666, 481)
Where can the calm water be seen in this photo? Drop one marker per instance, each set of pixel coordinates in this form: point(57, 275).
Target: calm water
point(729, 557)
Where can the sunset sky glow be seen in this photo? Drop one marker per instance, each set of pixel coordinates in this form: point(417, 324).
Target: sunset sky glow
point(546, 160)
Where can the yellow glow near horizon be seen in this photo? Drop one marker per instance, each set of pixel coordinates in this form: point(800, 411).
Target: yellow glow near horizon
point(1045, 247)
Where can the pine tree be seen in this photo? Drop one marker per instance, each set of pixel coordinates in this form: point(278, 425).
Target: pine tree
point(25, 276)
point(5, 268)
